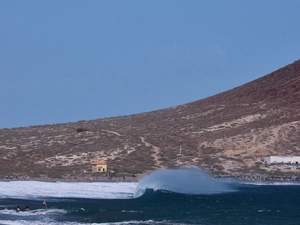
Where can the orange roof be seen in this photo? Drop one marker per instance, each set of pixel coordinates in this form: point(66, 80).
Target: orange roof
point(99, 163)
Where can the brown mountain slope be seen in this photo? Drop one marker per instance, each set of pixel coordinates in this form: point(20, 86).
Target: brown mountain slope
point(228, 133)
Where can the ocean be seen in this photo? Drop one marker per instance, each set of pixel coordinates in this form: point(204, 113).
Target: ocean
point(179, 196)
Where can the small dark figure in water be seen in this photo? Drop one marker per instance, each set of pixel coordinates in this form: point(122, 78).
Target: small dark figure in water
point(18, 208)
point(45, 204)
point(27, 208)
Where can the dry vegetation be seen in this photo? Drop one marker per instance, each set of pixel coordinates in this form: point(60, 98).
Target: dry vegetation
point(228, 133)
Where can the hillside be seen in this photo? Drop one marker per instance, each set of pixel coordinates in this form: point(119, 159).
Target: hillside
point(228, 133)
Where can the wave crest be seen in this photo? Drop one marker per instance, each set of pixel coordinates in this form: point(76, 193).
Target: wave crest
point(184, 181)
point(35, 212)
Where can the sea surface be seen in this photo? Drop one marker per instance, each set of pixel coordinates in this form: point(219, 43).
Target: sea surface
point(179, 196)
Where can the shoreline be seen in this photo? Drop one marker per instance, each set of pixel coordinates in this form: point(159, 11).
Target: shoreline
point(78, 180)
point(248, 178)
point(85, 179)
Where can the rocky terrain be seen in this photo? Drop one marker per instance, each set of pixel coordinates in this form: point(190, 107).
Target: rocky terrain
point(226, 134)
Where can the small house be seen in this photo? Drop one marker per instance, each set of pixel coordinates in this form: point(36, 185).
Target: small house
point(99, 167)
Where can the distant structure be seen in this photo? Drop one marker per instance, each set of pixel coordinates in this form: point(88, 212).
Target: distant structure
point(99, 167)
point(180, 147)
point(282, 159)
point(81, 130)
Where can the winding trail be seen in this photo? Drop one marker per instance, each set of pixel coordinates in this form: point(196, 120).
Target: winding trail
point(155, 154)
point(113, 132)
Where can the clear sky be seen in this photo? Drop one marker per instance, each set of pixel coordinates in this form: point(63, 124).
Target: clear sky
point(64, 61)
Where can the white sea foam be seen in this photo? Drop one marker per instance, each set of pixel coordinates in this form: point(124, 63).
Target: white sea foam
point(41, 190)
point(273, 183)
point(35, 212)
point(41, 222)
point(24, 222)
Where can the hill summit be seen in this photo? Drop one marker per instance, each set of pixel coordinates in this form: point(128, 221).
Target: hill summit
point(228, 133)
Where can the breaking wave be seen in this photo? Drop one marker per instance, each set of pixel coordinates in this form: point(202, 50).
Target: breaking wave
point(184, 181)
point(36, 212)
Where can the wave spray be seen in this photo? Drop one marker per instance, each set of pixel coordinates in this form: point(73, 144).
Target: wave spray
point(184, 181)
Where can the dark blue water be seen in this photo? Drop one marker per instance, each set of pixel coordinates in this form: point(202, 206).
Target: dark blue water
point(250, 204)
point(165, 197)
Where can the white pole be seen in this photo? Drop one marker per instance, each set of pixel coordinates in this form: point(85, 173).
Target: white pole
point(180, 148)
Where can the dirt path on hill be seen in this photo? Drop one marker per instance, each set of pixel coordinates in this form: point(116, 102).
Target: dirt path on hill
point(113, 132)
point(155, 154)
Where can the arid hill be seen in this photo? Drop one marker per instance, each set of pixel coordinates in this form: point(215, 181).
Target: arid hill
point(228, 133)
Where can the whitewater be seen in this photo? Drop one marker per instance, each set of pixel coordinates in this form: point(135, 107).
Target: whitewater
point(171, 196)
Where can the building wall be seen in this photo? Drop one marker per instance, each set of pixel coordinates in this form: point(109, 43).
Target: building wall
point(99, 168)
point(284, 159)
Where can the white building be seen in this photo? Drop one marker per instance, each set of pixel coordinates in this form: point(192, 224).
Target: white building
point(282, 159)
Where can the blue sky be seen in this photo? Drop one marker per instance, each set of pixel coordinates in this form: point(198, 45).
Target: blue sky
point(64, 61)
